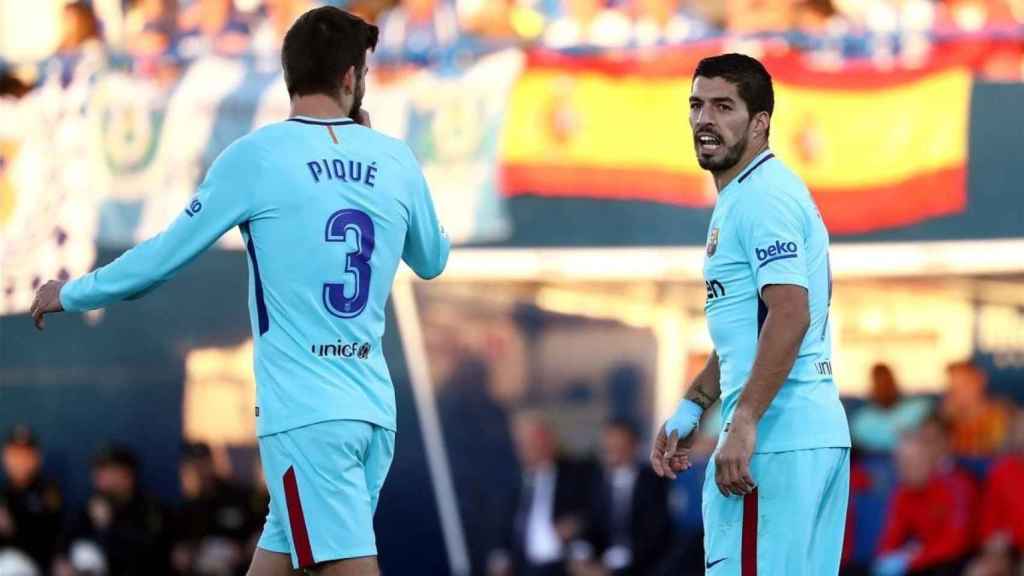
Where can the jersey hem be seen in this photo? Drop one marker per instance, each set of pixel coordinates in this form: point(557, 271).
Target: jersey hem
point(387, 426)
point(797, 448)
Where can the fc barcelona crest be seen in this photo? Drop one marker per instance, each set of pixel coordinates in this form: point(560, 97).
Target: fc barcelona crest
point(712, 242)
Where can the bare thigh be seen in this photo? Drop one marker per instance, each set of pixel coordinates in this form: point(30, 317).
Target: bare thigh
point(267, 563)
point(366, 566)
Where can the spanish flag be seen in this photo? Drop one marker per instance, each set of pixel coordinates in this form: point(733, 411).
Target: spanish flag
point(878, 149)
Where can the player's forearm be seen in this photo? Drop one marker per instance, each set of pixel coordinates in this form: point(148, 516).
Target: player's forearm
point(131, 275)
point(777, 347)
point(146, 266)
point(706, 388)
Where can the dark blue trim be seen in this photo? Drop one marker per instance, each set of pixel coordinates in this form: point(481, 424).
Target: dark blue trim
point(261, 304)
point(754, 167)
point(762, 313)
point(322, 122)
point(779, 257)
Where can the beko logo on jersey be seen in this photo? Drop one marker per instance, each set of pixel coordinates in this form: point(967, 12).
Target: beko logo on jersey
point(358, 350)
point(777, 251)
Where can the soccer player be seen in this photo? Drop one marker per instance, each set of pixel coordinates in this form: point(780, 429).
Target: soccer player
point(326, 207)
point(776, 491)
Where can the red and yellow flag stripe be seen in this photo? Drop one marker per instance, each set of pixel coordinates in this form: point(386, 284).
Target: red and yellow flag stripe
point(877, 149)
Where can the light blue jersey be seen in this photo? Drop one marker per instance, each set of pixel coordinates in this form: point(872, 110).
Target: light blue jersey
point(766, 229)
point(327, 209)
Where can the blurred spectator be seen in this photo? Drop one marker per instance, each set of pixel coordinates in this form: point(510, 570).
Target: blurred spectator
point(929, 527)
point(501, 19)
point(879, 424)
point(278, 16)
point(979, 422)
point(81, 43)
point(1003, 61)
point(80, 28)
point(631, 529)
point(417, 31)
point(213, 520)
point(127, 526)
point(1002, 514)
point(212, 27)
point(813, 16)
point(150, 32)
point(975, 15)
point(754, 16)
point(481, 455)
point(818, 30)
point(588, 23)
point(30, 505)
point(149, 26)
point(661, 22)
point(552, 506)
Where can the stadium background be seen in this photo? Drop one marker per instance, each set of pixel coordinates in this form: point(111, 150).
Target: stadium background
point(555, 141)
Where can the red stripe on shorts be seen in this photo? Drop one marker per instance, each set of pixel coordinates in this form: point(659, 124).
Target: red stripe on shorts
point(298, 522)
point(749, 553)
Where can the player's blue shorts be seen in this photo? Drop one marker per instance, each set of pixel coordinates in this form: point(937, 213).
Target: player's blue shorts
point(324, 481)
point(791, 525)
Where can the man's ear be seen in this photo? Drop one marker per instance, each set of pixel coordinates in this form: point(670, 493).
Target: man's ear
point(762, 122)
point(348, 80)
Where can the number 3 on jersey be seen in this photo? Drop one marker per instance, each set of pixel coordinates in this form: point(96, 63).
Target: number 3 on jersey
point(354, 229)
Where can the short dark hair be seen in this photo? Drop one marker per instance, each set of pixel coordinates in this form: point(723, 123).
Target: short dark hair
point(321, 46)
point(22, 435)
point(752, 80)
point(117, 455)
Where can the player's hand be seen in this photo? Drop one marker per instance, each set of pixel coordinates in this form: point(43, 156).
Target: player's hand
point(47, 301)
point(670, 455)
point(732, 462)
point(362, 117)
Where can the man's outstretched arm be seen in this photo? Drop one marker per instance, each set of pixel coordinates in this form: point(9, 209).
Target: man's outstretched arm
point(223, 201)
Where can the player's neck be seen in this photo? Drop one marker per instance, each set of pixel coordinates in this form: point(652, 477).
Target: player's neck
point(725, 177)
point(321, 106)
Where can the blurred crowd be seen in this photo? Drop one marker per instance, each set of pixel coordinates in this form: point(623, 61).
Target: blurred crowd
point(159, 38)
point(121, 530)
point(945, 473)
point(935, 490)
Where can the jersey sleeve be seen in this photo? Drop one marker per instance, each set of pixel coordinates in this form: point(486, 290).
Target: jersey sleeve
point(771, 226)
point(222, 202)
point(426, 243)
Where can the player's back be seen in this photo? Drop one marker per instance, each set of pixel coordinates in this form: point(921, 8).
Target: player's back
point(336, 206)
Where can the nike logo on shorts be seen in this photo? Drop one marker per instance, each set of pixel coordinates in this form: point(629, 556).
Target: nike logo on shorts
point(710, 565)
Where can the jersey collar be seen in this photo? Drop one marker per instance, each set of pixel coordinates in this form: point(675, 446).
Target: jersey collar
point(321, 121)
point(754, 164)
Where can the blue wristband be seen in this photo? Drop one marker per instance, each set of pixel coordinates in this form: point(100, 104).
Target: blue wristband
point(685, 418)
